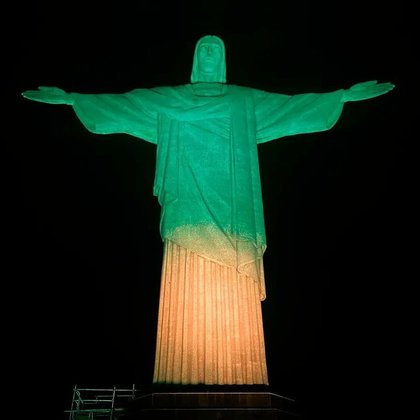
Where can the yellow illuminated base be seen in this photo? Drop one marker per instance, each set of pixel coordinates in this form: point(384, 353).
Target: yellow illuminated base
point(210, 328)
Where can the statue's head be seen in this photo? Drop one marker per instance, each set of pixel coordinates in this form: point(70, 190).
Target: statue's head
point(209, 60)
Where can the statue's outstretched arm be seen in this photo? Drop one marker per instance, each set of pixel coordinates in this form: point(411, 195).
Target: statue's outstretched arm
point(366, 90)
point(49, 95)
point(106, 113)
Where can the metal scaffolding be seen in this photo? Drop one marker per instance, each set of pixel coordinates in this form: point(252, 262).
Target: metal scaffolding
point(100, 403)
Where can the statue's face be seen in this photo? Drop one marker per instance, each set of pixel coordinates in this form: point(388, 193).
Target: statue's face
point(209, 60)
point(209, 56)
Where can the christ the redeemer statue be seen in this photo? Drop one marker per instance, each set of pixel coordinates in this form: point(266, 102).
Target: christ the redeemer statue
point(210, 328)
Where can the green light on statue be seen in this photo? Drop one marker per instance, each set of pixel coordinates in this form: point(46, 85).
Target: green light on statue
point(208, 184)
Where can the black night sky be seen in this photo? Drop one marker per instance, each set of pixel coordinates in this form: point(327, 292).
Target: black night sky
point(83, 252)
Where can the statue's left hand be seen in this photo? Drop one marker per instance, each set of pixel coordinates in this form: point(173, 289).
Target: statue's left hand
point(49, 95)
point(366, 90)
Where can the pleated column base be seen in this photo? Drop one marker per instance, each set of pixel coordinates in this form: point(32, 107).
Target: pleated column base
point(210, 328)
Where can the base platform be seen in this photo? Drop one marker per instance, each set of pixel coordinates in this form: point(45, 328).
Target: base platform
point(212, 406)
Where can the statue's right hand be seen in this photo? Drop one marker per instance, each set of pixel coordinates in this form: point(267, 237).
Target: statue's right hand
point(49, 95)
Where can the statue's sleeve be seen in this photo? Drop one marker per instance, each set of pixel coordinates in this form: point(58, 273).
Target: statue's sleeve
point(106, 113)
point(280, 115)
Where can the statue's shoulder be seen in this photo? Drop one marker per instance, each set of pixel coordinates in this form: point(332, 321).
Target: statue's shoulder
point(157, 95)
point(244, 90)
point(175, 91)
point(162, 90)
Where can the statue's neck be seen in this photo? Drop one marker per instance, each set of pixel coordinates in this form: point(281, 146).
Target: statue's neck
point(209, 88)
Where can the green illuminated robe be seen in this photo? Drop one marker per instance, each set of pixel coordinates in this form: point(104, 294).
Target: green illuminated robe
point(208, 185)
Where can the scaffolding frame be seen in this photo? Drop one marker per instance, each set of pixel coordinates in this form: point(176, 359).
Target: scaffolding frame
point(100, 403)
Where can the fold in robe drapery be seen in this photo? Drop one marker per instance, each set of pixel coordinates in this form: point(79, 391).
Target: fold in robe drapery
point(210, 327)
point(207, 175)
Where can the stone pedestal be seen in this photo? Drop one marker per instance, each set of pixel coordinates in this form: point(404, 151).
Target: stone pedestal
point(213, 406)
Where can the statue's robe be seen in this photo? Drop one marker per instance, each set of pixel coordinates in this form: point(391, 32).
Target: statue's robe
point(207, 182)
